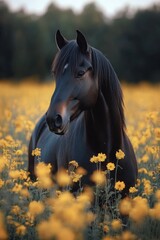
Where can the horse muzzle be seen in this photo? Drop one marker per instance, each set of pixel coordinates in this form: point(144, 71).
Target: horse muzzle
point(58, 120)
point(57, 124)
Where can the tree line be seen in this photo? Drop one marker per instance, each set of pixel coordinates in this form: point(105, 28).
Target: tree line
point(130, 41)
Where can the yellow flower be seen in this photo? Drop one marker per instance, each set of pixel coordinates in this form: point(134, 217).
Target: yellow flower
point(152, 116)
point(75, 176)
point(125, 206)
point(81, 171)
point(43, 170)
point(63, 179)
point(142, 170)
point(36, 152)
point(17, 188)
point(21, 230)
point(21, 174)
point(85, 199)
point(127, 235)
point(15, 210)
point(145, 158)
point(101, 157)
point(133, 190)
point(105, 228)
point(74, 163)
point(116, 224)
point(46, 230)
point(120, 154)
point(139, 209)
point(44, 182)
point(147, 189)
point(3, 143)
point(14, 174)
point(120, 185)
point(98, 177)
point(94, 159)
point(9, 139)
point(19, 152)
point(25, 193)
point(53, 229)
point(138, 182)
point(155, 212)
point(110, 166)
point(36, 208)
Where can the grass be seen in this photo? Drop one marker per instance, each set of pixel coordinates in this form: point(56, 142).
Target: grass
point(38, 210)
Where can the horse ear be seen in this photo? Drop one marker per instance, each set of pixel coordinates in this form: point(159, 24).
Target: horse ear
point(82, 43)
point(60, 40)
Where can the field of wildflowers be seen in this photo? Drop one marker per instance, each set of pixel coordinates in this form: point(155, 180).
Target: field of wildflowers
point(39, 210)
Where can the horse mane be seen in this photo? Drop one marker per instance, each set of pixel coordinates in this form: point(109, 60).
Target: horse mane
point(110, 88)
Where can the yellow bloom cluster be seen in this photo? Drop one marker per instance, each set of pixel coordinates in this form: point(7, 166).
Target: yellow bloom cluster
point(137, 208)
point(120, 154)
point(75, 172)
point(36, 208)
point(68, 221)
point(21, 174)
point(36, 152)
point(21, 230)
point(101, 157)
point(75, 176)
point(63, 178)
point(39, 209)
point(43, 173)
point(15, 210)
point(116, 224)
point(19, 152)
point(98, 177)
point(133, 190)
point(8, 142)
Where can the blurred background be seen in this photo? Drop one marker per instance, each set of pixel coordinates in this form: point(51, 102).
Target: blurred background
point(128, 35)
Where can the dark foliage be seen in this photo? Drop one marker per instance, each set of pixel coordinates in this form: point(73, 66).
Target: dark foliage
point(130, 42)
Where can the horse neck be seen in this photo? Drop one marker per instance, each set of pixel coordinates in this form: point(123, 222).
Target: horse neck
point(103, 133)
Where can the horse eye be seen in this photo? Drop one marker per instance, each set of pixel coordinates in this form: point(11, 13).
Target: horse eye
point(81, 73)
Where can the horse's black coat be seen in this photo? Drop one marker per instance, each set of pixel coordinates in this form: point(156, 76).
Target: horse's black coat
point(85, 116)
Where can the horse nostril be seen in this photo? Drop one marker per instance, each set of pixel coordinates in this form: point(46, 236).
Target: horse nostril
point(58, 121)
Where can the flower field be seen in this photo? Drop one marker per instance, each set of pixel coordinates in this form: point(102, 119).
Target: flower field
point(45, 208)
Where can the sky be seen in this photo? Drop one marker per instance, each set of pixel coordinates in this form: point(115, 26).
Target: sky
point(109, 7)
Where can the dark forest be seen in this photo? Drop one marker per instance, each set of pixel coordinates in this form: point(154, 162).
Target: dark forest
point(130, 41)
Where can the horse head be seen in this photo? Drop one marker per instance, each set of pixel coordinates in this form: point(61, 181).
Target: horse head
point(76, 89)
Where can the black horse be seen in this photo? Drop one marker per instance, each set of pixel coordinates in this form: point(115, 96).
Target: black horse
point(85, 116)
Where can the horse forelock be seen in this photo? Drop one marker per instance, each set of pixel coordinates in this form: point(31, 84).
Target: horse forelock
point(69, 54)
